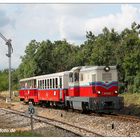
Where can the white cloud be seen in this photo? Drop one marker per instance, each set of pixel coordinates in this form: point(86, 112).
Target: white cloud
point(24, 22)
point(119, 21)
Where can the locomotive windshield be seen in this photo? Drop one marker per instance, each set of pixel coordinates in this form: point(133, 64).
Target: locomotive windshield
point(76, 77)
point(71, 77)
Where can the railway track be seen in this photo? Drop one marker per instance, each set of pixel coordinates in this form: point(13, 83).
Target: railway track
point(2, 98)
point(126, 118)
point(77, 130)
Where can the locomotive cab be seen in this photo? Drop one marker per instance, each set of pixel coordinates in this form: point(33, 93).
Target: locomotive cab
point(74, 81)
point(95, 90)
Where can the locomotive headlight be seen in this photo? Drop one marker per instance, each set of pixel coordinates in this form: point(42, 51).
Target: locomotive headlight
point(107, 68)
point(116, 91)
point(99, 92)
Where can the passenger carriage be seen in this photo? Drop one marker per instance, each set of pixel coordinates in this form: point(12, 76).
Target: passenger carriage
point(52, 88)
point(48, 89)
point(28, 90)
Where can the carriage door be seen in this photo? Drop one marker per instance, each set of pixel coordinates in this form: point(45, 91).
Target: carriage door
point(60, 87)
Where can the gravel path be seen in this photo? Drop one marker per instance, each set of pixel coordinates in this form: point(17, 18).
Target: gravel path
point(9, 121)
point(107, 126)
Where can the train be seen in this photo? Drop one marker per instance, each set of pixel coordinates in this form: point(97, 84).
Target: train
point(85, 88)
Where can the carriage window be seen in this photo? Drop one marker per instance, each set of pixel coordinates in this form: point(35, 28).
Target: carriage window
point(81, 77)
point(38, 83)
point(50, 83)
point(28, 84)
point(34, 83)
point(25, 84)
point(60, 82)
point(71, 77)
point(45, 84)
point(41, 84)
point(22, 85)
point(53, 83)
point(106, 76)
point(56, 82)
point(76, 77)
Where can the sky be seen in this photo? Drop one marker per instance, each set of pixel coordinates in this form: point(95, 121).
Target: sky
point(25, 22)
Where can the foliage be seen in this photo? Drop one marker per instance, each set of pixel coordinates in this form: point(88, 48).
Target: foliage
point(4, 80)
point(108, 48)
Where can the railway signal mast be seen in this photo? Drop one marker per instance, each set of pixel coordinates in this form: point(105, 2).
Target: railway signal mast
point(10, 51)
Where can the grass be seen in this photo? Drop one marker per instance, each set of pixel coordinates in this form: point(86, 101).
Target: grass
point(15, 97)
point(20, 134)
point(131, 99)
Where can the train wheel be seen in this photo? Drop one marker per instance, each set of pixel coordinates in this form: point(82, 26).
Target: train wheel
point(85, 107)
point(47, 104)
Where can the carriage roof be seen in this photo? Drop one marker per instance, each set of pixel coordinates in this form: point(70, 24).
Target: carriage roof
point(90, 68)
point(96, 68)
point(45, 76)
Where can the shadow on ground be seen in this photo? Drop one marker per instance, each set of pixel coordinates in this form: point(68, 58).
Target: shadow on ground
point(133, 110)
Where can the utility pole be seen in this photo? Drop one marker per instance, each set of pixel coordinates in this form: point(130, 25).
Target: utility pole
point(10, 51)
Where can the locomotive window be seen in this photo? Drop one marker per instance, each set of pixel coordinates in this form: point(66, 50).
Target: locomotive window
point(76, 77)
point(81, 77)
point(50, 83)
point(93, 77)
point(71, 77)
point(106, 76)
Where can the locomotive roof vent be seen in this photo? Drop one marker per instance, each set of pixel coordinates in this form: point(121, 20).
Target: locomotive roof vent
point(107, 68)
